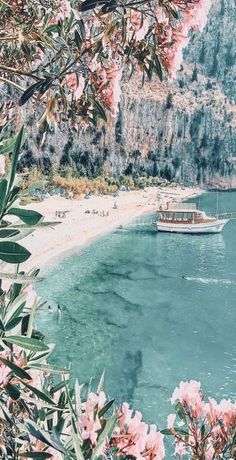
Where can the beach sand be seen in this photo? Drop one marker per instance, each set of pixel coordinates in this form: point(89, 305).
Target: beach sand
point(78, 228)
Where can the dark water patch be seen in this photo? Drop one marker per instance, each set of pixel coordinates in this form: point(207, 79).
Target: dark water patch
point(112, 323)
point(133, 362)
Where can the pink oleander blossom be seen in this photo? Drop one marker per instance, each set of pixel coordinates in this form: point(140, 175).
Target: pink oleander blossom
point(132, 437)
point(189, 393)
point(89, 422)
point(139, 24)
point(173, 40)
point(89, 428)
point(75, 84)
point(4, 372)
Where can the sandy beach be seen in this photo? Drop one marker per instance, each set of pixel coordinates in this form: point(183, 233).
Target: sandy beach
point(88, 219)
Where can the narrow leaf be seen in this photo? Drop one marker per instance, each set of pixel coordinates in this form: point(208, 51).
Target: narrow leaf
point(40, 394)
point(3, 192)
point(38, 455)
point(18, 371)
point(50, 368)
point(15, 156)
point(27, 343)
point(29, 92)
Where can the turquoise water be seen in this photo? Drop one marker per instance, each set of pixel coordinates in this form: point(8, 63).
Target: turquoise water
point(126, 308)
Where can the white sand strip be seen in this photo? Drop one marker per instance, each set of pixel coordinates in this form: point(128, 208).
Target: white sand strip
point(79, 228)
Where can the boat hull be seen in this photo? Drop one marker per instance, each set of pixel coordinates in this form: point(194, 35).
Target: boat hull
point(208, 227)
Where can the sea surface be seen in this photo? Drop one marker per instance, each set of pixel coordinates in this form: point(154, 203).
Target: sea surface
point(126, 308)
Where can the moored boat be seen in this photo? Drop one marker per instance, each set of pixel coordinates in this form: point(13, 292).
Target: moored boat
point(186, 218)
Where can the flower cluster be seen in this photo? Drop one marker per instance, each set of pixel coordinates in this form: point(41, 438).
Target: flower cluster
point(174, 38)
point(135, 439)
point(89, 423)
point(206, 429)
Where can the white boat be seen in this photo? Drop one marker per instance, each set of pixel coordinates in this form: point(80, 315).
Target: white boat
point(186, 218)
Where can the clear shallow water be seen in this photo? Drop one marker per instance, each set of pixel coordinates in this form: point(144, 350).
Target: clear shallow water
point(126, 308)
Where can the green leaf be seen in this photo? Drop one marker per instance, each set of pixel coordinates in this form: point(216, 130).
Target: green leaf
point(158, 67)
point(3, 192)
point(13, 253)
point(13, 323)
point(167, 432)
point(27, 343)
point(2, 327)
point(92, 4)
point(40, 224)
point(8, 233)
point(101, 382)
point(40, 394)
point(13, 391)
point(59, 387)
point(18, 371)
point(29, 92)
point(35, 431)
point(15, 156)
point(29, 217)
point(18, 311)
point(106, 407)
point(77, 446)
point(7, 146)
point(100, 110)
point(38, 455)
point(106, 433)
point(50, 368)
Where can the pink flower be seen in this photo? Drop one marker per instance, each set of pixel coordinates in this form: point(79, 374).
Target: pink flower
point(135, 438)
point(4, 372)
point(36, 377)
point(2, 165)
point(212, 411)
point(171, 420)
point(189, 393)
point(75, 84)
point(89, 428)
point(139, 24)
point(155, 444)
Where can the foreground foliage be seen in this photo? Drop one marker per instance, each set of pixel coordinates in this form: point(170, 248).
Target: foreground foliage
point(68, 56)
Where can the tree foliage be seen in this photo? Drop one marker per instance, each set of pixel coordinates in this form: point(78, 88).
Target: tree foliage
point(68, 57)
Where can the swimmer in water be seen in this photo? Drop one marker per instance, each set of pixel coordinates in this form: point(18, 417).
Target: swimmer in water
point(49, 308)
point(59, 311)
point(184, 277)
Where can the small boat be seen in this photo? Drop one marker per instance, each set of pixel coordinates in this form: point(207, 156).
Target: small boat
point(186, 218)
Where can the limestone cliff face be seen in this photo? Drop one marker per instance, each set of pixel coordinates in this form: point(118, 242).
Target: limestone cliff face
point(184, 130)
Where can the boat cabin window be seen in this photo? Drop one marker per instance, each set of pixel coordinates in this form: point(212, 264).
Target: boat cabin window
point(176, 216)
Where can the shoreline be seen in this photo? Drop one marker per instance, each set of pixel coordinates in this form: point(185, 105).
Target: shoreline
point(89, 219)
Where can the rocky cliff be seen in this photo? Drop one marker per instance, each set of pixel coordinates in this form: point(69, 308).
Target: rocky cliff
point(185, 130)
